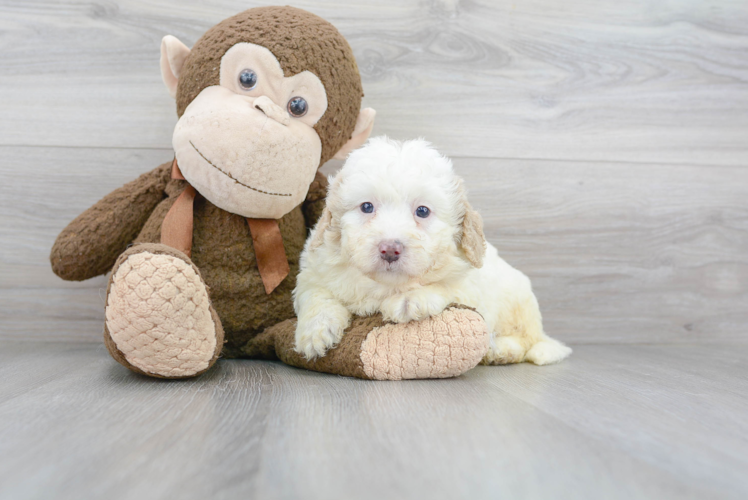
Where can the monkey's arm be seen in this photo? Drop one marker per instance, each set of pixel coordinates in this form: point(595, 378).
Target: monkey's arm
point(446, 345)
point(315, 200)
point(90, 244)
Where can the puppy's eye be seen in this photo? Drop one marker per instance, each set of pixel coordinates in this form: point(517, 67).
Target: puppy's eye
point(367, 207)
point(422, 212)
point(298, 106)
point(248, 79)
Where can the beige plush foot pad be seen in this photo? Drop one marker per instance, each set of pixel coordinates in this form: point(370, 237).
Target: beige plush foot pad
point(158, 315)
point(444, 346)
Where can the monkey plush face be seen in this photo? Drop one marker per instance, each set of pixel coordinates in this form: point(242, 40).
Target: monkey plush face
point(256, 123)
point(249, 142)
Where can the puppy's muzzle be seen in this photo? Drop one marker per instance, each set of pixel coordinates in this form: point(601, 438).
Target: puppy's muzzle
point(390, 250)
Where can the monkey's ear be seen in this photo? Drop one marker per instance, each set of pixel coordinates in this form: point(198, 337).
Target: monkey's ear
point(364, 124)
point(173, 55)
point(319, 230)
point(473, 242)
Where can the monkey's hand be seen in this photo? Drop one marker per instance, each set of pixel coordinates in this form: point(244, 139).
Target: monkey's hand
point(90, 244)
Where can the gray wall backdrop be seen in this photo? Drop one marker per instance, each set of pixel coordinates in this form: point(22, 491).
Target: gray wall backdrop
point(604, 142)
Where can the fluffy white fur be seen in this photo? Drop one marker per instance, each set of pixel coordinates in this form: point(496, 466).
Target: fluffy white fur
point(444, 257)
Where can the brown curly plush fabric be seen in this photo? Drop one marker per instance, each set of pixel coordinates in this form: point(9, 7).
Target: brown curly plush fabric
point(444, 346)
point(300, 41)
point(277, 342)
point(314, 204)
point(222, 249)
point(222, 245)
point(90, 244)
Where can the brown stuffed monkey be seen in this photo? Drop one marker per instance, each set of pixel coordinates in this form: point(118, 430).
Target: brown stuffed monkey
point(204, 250)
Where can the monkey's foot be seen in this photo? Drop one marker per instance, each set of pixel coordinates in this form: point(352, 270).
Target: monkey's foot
point(446, 345)
point(159, 319)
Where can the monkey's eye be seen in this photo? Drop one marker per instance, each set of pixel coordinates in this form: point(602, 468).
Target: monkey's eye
point(422, 212)
point(367, 207)
point(297, 106)
point(248, 79)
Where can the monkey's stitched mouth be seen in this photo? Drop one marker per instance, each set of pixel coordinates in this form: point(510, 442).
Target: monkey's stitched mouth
point(232, 177)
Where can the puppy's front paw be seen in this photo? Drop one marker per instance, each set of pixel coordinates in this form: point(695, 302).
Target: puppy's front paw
point(415, 306)
point(314, 337)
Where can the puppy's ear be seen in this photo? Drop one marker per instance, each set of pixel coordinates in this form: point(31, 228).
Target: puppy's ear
point(472, 241)
point(319, 230)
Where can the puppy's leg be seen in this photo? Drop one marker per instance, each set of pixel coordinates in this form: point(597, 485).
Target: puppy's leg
point(519, 336)
point(415, 305)
point(322, 319)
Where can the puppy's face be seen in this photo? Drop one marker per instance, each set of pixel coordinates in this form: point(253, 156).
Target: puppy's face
point(399, 211)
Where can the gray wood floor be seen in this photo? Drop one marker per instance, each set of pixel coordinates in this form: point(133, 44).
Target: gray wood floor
point(635, 421)
point(605, 144)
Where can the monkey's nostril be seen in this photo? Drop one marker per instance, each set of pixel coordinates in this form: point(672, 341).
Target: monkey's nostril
point(271, 110)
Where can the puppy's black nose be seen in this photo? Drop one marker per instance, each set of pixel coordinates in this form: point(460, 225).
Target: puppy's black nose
point(390, 250)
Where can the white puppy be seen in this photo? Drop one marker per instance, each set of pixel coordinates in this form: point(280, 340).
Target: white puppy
point(399, 237)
